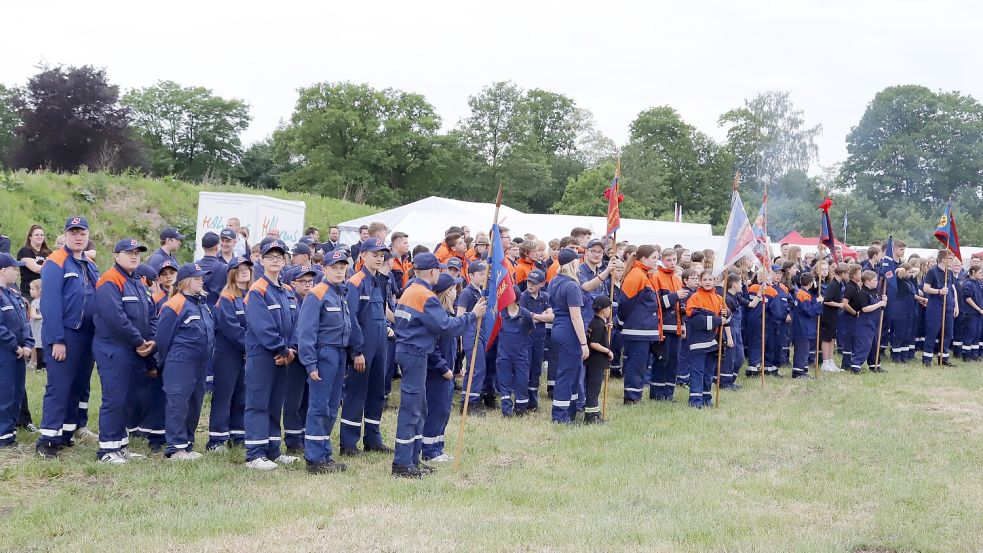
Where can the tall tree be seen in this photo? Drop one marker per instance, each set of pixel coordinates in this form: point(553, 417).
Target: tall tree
point(768, 138)
point(584, 195)
point(9, 120)
point(496, 124)
point(71, 117)
point(188, 131)
point(258, 167)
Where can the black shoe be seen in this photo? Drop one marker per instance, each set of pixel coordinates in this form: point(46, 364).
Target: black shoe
point(326, 468)
point(533, 409)
point(426, 469)
point(520, 412)
point(773, 374)
point(295, 451)
point(617, 374)
point(489, 401)
point(802, 376)
point(379, 448)
point(397, 374)
point(46, 452)
point(593, 418)
point(632, 401)
point(751, 374)
point(353, 452)
point(400, 471)
point(947, 363)
point(156, 448)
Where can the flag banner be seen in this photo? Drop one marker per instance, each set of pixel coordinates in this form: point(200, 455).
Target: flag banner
point(739, 236)
point(762, 247)
point(501, 289)
point(614, 197)
point(826, 237)
point(946, 233)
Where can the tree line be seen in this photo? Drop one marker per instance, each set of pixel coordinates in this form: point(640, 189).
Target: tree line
point(911, 151)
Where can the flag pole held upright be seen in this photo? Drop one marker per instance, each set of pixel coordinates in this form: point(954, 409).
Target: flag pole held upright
point(946, 233)
point(459, 448)
point(614, 223)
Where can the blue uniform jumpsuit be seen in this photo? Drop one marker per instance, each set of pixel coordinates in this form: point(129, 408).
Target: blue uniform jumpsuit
point(214, 284)
point(420, 321)
point(972, 319)
point(903, 327)
point(185, 342)
point(440, 394)
point(15, 332)
point(703, 328)
point(666, 370)
point(684, 357)
point(934, 319)
point(775, 306)
point(807, 310)
point(270, 331)
point(638, 309)
point(537, 342)
point(226, 420)
point(865, 330)
point(67, 305)
point(323, 332)
point(512, 362)
point(734, 357)
point(365, 392)
point(467, 299)
point(124, 318)
point(294, 390)
point(565, 294)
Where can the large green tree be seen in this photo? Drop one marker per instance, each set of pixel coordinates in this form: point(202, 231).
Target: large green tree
point(188, 131)
point(584, 195)
point(9, 120)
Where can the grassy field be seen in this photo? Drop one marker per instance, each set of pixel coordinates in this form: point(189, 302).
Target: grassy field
point(876, 463)
point(125, 205)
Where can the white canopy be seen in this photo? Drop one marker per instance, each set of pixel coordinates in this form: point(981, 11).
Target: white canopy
point(427, 219)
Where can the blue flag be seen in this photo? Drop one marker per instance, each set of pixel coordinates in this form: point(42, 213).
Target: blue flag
point(501, 291)
point(946, 233)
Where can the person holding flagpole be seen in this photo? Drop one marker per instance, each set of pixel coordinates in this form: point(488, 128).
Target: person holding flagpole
point(939, 286)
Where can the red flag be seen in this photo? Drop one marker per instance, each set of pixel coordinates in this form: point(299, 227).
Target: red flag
point(614, 196)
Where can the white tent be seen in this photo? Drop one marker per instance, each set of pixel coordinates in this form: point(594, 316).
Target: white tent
point(427, 219)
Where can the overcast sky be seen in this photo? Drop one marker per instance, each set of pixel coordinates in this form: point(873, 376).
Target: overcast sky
point(613, 58)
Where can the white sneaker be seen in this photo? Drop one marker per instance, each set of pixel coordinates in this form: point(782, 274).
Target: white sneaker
point(219, 449)
point(261, 464)
point(285, 459)
point(828, 366)
point(113, 458)
point(442, 458)
point(185, 455)
point(85, 435)
point(131, 456)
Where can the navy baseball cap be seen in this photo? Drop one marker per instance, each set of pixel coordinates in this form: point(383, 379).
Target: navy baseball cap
point(566, 255)
point(595, 242)
point(129, 245)
point(189, 270)
point(455, 263)
point(305, 270)
point(307, 240)
point(536, 277)
point(7, 260)
point(146, 271)
point(274, 245)
point(336, 256)
point(426, 261)
point(236, 261)
point(477, 266)
point(300, 248)
point(209, 240)
point(266, 240)
point(373, 245)
point(446, 281)
point(76, 222)
point(600, 302)
point(170, 232)
point(167, 264)
point(227, 232)
point(776, 268)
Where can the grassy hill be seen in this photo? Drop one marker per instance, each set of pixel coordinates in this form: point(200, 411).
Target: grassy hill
point(126, 205)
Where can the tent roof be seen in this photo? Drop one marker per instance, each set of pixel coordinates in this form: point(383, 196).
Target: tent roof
point(796, 239)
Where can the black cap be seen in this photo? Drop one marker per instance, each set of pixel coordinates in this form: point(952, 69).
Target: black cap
point(209, 240)
point(601, 302)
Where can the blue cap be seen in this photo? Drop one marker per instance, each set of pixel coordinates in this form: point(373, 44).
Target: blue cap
point(301, 248)
point(337, 255)
point(189, 270)
point(170, 232)
point(227, 232)
point(274, 245)
point(595, 242)
point(76, 222)
point(303, 270)
point(167, 264)
point(536, 277)
point(426, 261)
point(7, 260)
point(146, 271)
point(129, 245)
point(209, 240)
point(566, 255)
point(240, 260)
point(373, 245)
point(266, 240)
point(446, 281)
point(776, 268)
point(307, 240)
point(455, 263)
point(477, 266)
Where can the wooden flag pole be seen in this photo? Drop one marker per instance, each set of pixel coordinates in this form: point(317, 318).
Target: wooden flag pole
point(880, 328)
point(764, 269)
point(945, 269)
point(818, 352)
point(607, 369)
point(764, 307)
point(720, 357)
point(459, 448)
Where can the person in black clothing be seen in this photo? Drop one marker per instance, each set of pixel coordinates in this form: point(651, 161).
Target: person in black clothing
point(852, 304)
point(598, 359)
point(33, 254)
point(832, 304)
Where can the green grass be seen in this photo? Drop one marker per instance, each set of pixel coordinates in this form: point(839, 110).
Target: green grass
point(872, 463)
point(119, 206)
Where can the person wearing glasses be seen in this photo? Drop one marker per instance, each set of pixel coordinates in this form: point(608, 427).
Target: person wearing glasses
point(295, 388)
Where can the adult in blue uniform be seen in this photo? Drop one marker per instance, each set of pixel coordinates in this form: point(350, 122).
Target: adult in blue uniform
point(170, 243)
point(420, 319)
point(225, 420)
point(324, 330)
point(185, 342)
point(512, 361)
point(125, 321)
point(569, 336)
point(269, 336)
point(537, 301)
point(217, 266)
point(937, 286)
point(16, 345)
point(365, 387)
point(440, 377)
point(68, 279)
point(295, 396)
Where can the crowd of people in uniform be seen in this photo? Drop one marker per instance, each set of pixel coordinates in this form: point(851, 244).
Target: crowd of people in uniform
point(290, 340)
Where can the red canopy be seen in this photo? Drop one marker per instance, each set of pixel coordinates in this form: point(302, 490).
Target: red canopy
point(795, 239)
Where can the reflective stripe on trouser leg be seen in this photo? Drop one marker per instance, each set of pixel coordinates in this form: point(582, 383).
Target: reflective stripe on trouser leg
point(323, 400)
point(61, 394)
point(412, 408)
point(264, 400)
point(116, 368)
point(11, 394)
point(294, 405)
point(227, 396)
point(440, 396)
point(567, 370)
point(637, 353)
point(184, 388)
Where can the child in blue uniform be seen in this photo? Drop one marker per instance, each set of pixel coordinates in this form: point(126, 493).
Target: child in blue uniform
point(734, 354)
point(512, 361)
point(226, 423)
point(691, 281)
point(440, 376)
point(868, 307)
point(466, 300)
point(971, 312)
point(706, 314)
point(295, 397)
point(536, 301)
point(324, 330)
point(16, 345)
point(808, 306)
point(936, 286)
point(599, 359)
point(185, 342)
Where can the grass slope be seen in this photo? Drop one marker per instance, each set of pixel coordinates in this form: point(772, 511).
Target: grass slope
point(126, 205)
point(855, 464)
